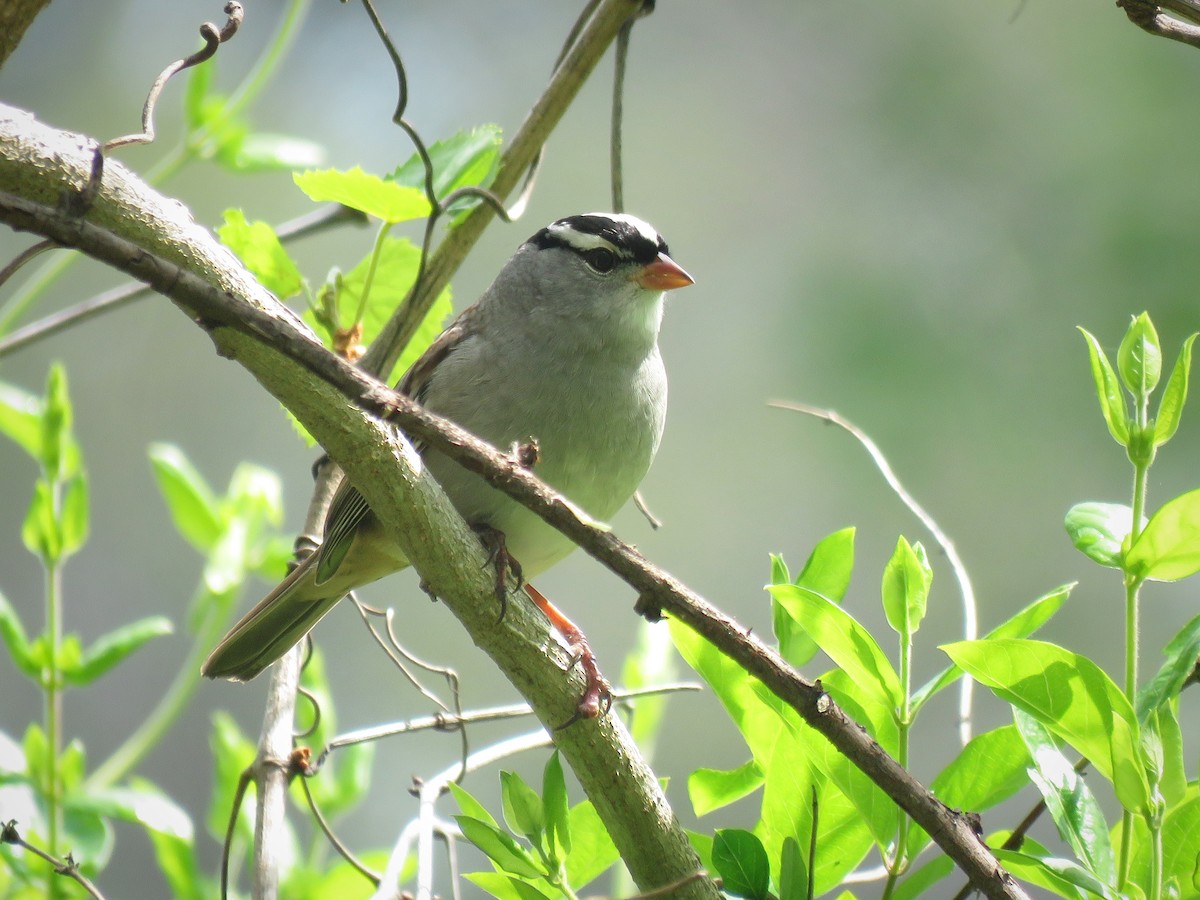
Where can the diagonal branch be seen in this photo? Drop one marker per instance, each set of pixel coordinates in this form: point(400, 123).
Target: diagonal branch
point(161, 246)
point(247, 325)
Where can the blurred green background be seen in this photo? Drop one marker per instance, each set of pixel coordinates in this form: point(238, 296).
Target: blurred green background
point(900, 211)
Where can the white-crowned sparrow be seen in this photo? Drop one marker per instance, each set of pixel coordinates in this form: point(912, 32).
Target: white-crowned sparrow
point(562, 349)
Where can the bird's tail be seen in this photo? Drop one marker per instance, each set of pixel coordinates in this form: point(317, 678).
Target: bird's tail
point(272, 628)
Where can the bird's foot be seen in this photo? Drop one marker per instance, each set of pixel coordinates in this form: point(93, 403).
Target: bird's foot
point(597, 693)
point(498, 556)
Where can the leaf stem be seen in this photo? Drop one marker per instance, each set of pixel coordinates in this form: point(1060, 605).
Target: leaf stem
point(54, 712)
point(899, 862)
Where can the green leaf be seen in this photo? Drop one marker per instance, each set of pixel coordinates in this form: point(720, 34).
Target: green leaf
point(39, 531)
point(741, 861)
point(259, 249)
point(1071, 804)
point(142, 803)
point(471, 807)
point(710, 789)
point(1181, 845)
point(1168, 548)
point(196, 95)
point(260, 151)
point(505, 887)
point(1139, 358)
point(1022, 625)
point(468, 159)
point(1063, 877)
point(1170, 407)
point(592, 850)
point(110, 649)
point(1108, 390)
point(12, 632)
point(793, 872)
point(1181, 654)
point(827, 572)
point(1098, 530)
point(919, 882)
point(906, 579)
point(988, 770)
point(1173, 781)
point(651, 660)
point(845, 641)
point(21, 419)
point(1071, 696)
point(176, 860)
point(74, 517)
point(385, 200)
point(556, 811)
point(500, 847)
point(189, 499)
point(522, 806)
point(56, 425)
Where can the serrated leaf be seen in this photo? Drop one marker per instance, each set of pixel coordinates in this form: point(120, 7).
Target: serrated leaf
point(385, 200)
point(1139, 358)
point(111, 649)
point(468, 159)
point(500, 847)
point(846, 642)
point(1098, 530)
point(190, 501)
point(522, 806)
point(1168, 548)
point(1170, 407)
point(905, 590)
point(259, 249)
point(556, 811)
point(1022, 625)
point(1070, 695)
point(1108, 390)
point(741, 860)
point(710, 789)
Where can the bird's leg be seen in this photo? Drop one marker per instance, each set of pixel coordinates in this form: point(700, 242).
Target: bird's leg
point(498, 556)
point(597, 696)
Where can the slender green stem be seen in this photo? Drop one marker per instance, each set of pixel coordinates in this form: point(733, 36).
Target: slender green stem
point(376, 252)
point(899, 860)
point(53, 687)
point(1132, 590)
point(1156, 860)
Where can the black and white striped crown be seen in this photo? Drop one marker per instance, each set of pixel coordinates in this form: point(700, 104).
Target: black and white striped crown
point(626, 236)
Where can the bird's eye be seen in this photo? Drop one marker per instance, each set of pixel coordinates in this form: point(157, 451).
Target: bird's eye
point(601, 260)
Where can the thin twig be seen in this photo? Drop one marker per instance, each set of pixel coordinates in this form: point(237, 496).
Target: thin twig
point(970, 611)
point(22, 258)
point(68, 867)
point(213, 38)
point(342, 850)
point(315, 222)
point(442, 722)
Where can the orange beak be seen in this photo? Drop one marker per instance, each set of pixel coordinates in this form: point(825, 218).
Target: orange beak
point(664, 274)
